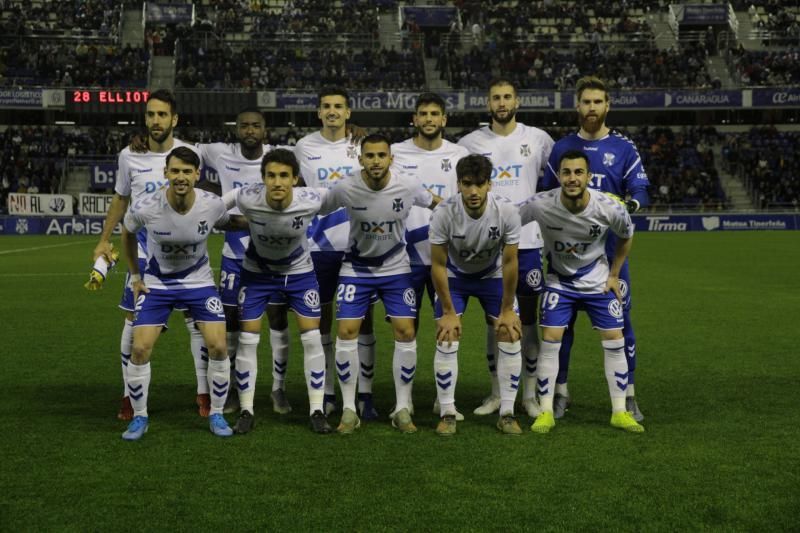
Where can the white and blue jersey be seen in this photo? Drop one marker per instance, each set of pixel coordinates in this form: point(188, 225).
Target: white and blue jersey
point(177, 251)
point(436, 169)
point(475, 245)
point(574, 243)
point(518, 159)
point(323, 164)
point(278, 243)
point(377, 245)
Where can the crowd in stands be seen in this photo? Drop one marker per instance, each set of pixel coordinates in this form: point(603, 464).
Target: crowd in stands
point(768, 161)
point(358, 17)
point(761, 67)
point(98, 18)
point(298, 67)
point(71, 64)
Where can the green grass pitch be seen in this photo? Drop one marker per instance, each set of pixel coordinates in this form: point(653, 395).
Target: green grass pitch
point(718, 381)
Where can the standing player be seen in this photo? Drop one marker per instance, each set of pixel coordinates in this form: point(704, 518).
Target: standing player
point(474, 238)
point(519, 153)
point(432, 159)
point(140, 175)
point(239, 165)
point(376, 264)
point(326, 157)
point(178, 220)
point(616, 168)
point(277, 261)
point(576, 222)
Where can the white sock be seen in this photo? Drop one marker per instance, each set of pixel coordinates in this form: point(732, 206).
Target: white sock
point(630, 392)
point(546, 371)
point(330, 364)
point(199, 354)
point(138, 387)
point(313, 368)
point(247, 369)
point(347, 371)
point(509, 365)
point(616, 367)
point(219, 372)
point(491, 360)
point(366, 361)
point(562, 390)
point(445, 368)
point(279, 341)
point(530, 351)
point(404, 366)
point(232, 342)
point(125, 348)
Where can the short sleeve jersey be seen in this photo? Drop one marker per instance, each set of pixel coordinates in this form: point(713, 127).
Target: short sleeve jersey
point(575, 243)
point(177, 252)
point(475, 245)
point(436, 169)
point(518, 159)
point(322, 164)
point(278, 242)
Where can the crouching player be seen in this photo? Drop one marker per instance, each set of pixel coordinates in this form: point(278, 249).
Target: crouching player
point(178, 220)
point(474, 237)
point(278, 263)
point(575, 223)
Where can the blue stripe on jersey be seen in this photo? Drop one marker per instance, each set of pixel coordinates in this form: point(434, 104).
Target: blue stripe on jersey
point(567, 281)
point(413, 237)
point(141, 237)
point(265, 263)
point(154, 269)
point(471, 275)
point(320, 224)
point(234, 241)
point(356, 260)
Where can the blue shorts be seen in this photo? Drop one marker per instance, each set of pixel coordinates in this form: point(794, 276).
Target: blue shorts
point(230, 278)
point(354, 295)
point(420, 279)
point(489, 293)
point(530, 281)
point(126, 302)
point(326, 267)
point(153, 308)
point(558, 307)
point(301, 291)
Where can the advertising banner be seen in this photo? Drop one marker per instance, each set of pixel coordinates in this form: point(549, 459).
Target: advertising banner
point(39, 204)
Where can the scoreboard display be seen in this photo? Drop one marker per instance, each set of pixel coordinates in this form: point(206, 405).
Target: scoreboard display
point(107, 101)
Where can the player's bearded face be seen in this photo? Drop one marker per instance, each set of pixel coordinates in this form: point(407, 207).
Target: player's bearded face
point(376, 159)
point(574, 176)
point(503, 103)
point(473, 194)
point(159, 120)
point(592, 110)
point(429, 121)
point(250, 129)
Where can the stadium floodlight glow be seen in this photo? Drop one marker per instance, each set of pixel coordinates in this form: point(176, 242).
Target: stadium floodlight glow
point(65, 123)
point(124, 122)
point(230, 123)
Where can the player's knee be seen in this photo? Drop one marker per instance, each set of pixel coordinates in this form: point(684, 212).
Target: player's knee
point(404, 333)
point(346, 332)
point(217, 349)
point(505, 336)
point(140, 353)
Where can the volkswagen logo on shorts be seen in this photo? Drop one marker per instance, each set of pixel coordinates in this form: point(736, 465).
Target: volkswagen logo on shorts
point(214, 305)
point(410, 297)
point(615, 308)
point(534, 278)
point(311, 298)
point(623, 288)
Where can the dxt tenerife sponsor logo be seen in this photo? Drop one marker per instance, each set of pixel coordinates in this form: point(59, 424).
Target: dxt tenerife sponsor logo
point(276, 241)
point(506, 175)
point(378, 231)
point(153, 185)
point(180, 251)
point(570, 248)
point(328, 174)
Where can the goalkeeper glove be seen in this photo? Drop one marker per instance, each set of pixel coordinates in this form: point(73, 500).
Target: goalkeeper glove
point(98, 274)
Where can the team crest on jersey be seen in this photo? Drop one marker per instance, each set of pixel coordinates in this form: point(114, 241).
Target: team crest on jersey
point(525, 150)
point(608, 159)
point(534, 278)
point(410, 297)
point(615, 308)
point(202, 227)
point(447, 166)
point(311, 298)
point(297, 223)
point(397, 204)
point(214, 305)
point(351, 152)
point(494, 233)
point(594, 231)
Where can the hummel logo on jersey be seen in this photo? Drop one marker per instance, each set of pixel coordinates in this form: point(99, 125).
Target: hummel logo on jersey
point(234, 169)
point(397, 204)
point(590, 148)
point(354, 208)
point(608, 159)
point(594, 231)
point(459, 236)
point(446, 165)
point(297, 223)
point(202, 227)
point(351, 152)
point(313, 157)
point(554, 228)
point(525, 150)
point(142, 170)
point(410, 167)
point(162, 232)
point(487, 154)
point(494, 233)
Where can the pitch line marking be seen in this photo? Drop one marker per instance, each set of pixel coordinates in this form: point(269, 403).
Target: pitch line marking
point(34, 248)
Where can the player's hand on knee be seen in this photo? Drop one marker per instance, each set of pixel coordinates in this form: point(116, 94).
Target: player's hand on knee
point(448, 329)
point(508, 323)
point(612, 284)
